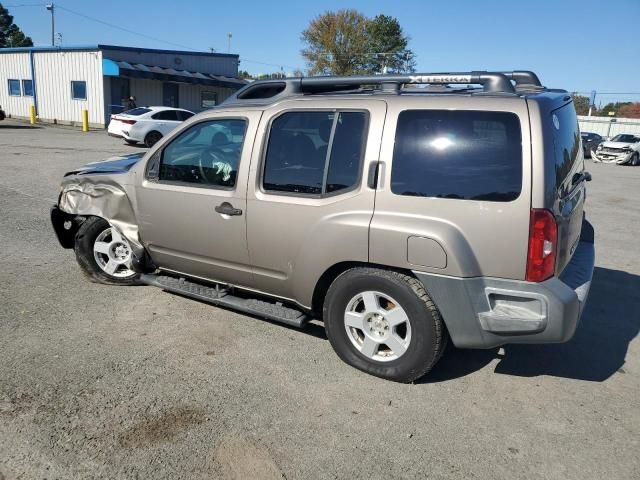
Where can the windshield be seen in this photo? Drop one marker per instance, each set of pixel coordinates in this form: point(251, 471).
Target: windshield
point(625, 138)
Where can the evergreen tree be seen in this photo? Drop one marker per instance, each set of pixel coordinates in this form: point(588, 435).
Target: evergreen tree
point(10, 34)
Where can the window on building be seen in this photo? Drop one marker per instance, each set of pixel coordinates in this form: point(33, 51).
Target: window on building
point(300, 158)
point(14, 88)
point(208, 99)
point(456, 154)
point(27, 88)
point(206, 154)
point(78, 90)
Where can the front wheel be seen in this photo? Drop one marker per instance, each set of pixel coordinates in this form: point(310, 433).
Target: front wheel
point(635, 160)
point(103, 254)
point(384, 323)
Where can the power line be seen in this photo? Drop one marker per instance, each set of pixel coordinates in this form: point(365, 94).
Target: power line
point(124, 29)
point(132, 32)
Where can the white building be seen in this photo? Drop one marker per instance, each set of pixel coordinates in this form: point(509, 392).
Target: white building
point(63, 81)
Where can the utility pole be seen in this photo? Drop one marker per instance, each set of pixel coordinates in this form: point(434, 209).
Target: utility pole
point(50, 7)
point(229, 44)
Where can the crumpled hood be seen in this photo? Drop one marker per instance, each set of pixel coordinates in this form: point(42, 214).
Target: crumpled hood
point(616, 144)
point(113, 165)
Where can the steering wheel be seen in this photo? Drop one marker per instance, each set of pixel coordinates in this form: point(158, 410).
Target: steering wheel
point(206, 159)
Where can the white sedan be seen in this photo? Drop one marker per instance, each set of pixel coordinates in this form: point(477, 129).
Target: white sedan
point(146, 124)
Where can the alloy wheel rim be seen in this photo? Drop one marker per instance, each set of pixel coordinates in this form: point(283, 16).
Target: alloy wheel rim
point(377, 326)
point(112, 253)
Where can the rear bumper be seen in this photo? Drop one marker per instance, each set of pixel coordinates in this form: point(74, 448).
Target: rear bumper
point(483, 312)
point(115, 135)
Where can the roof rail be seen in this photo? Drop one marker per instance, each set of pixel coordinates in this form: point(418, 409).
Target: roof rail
point(269, 91)
point(523, 78)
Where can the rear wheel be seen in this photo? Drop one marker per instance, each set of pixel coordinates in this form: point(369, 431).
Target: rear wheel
point(103, 254)
point(384, 323)
point(152, 138)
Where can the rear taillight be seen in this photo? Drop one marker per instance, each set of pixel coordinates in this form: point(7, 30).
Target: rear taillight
point(128, 122)
point(543, 241)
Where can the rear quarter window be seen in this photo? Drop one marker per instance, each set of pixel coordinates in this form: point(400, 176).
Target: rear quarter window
point(566, 141)
point(468, 155)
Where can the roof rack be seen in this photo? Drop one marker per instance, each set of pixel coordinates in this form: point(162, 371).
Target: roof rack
point(269, 91)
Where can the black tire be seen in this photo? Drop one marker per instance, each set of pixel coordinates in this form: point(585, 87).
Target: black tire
point(428, 338)
point(635, 160)
point(85, 238)
point(152, 138)
point(131, 142)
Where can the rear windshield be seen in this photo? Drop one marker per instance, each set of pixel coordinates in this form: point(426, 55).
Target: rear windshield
point(461, 154)
point(136, 111)
point(566, 139)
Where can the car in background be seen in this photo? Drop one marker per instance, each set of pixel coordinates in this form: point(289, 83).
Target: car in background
point(2, 114)
point(590, 141)
point(623, 149)
point(146, 124)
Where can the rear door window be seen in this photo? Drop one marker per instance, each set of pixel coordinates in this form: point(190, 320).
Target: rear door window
point(171, 115)
point(314, 153)
point(466, 155)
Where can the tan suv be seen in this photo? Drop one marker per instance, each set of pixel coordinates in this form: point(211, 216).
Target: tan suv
point(400, 210)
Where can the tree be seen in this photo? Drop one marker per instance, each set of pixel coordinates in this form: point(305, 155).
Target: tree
point(336, 42)
point(632, 110)
point(347, 43)
point(10, 34)
point(388, 46)
point(581, 103)
point(613, 107)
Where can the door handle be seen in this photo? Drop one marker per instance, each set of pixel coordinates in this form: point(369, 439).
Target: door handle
point(226, 208)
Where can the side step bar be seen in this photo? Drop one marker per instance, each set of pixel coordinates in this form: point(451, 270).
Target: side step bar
point(221, 296)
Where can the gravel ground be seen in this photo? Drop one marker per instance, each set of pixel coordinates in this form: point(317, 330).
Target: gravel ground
point(116, 382)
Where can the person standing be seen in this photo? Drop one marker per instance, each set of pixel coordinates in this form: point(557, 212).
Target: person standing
point(131, 103)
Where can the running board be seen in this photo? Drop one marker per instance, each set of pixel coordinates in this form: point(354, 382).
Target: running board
point(220, 296)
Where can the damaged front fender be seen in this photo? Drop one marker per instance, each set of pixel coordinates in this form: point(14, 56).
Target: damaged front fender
point(100, 196)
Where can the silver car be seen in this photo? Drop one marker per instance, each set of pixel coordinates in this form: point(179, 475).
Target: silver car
point(401, 217)
point(623, 149)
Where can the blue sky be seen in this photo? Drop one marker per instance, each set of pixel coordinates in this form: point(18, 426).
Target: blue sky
point(576, 45)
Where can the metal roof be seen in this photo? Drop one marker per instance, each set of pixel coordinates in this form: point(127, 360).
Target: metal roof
point(113, 47)
point(139, 70)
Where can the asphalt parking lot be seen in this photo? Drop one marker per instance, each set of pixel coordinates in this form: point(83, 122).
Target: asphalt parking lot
point(133, 382)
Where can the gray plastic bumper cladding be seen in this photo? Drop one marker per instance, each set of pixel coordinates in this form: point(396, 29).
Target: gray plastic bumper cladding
point(484, 312)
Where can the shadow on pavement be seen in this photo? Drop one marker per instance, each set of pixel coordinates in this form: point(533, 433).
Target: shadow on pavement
point(18, 127)
point(610, 322)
